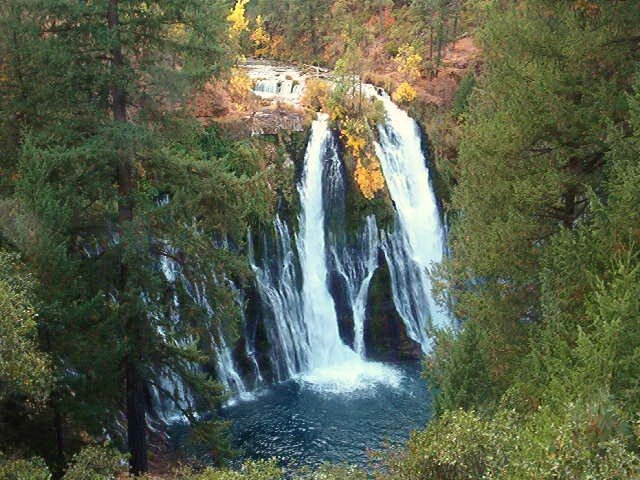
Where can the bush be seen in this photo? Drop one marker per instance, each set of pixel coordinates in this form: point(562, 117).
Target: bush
point(32, 469)
point(316, 94)
point(405, 93)
point(96, 463)
point(458, 369)
point(251, 470)
point(460, 445)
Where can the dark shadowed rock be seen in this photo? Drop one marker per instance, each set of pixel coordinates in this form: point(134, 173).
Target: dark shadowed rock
point(385, 335)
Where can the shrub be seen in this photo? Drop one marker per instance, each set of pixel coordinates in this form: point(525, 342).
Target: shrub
point(21, 469)
point(316, 94)
point(96, 463)
point(405, 93)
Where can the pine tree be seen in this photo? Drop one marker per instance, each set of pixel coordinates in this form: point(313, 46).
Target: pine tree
point(98, 109)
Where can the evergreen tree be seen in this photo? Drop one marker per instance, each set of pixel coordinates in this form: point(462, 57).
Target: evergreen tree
point(533, 144)
point(99, 131)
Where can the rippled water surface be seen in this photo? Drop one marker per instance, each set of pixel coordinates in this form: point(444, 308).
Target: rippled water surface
point(302, 426)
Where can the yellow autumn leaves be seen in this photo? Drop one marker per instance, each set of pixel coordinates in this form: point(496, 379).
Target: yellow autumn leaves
point(405, 93)
point(369, 179)
point(409, 62)
point(239, 23)
point(367, 173)
point(261, 38)
point(237, 19)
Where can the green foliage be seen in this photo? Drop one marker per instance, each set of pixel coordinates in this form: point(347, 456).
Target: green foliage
point(32, 469)
point(534, 145)
point(576, 441)
point(332, 472)
point(23, 368)
point(211, 439)
point(544, 271)
point(455, 447)
point(96, 130)
point(251, 470)
point(96, 463)
point(461, 99)
point(458, 366)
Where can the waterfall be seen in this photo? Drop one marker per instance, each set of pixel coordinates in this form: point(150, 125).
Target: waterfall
point(304, 324)
point(354, 260)
point(357, 266)
point(311, 279)
point(276, 82)
point(227, 372)
point(278, 283)
point(171, 398)
point(416, 241)
point(325, 346)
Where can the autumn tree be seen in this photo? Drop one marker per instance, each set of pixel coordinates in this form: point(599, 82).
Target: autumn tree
point(260, 38)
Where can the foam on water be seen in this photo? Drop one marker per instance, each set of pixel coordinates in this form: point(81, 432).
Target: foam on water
point(350, 377)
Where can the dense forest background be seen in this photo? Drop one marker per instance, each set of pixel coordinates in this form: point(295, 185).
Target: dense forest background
point(532, 108)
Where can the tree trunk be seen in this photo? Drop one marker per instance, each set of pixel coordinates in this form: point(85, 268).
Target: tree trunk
point(455, 28)
point(136, 411)
point(431, 42)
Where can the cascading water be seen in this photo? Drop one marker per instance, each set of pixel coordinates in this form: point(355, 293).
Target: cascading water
point(417, 239)
point(227, 372)
point(355, 260)
point(325, 345)
point(296, 273)
point(276, 82)
point(357, 266)
point(305, 324)
point(278, 283)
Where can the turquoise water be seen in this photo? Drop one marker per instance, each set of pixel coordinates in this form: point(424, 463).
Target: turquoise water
point(301, 426)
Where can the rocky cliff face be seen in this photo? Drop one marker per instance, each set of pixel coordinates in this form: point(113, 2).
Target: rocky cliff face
point(272, 120)
point(385, 335)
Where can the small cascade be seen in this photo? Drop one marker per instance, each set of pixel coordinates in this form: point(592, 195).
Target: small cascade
point(278, 285)
point(273, 87)
point(417, 239)
point(354, 260)
point(276, 82)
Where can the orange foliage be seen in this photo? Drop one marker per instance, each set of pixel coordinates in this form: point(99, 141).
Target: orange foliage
point(369, 179)
point(388, 17)
point(277, 43)
point(368, 173)
point(585, 6)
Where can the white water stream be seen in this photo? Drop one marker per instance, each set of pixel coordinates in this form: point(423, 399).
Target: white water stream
point(416, 243)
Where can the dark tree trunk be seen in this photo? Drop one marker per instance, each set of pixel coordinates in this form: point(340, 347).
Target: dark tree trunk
point(136, 411)
point(58, 422)
point(431, 42)
point(136, 420)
